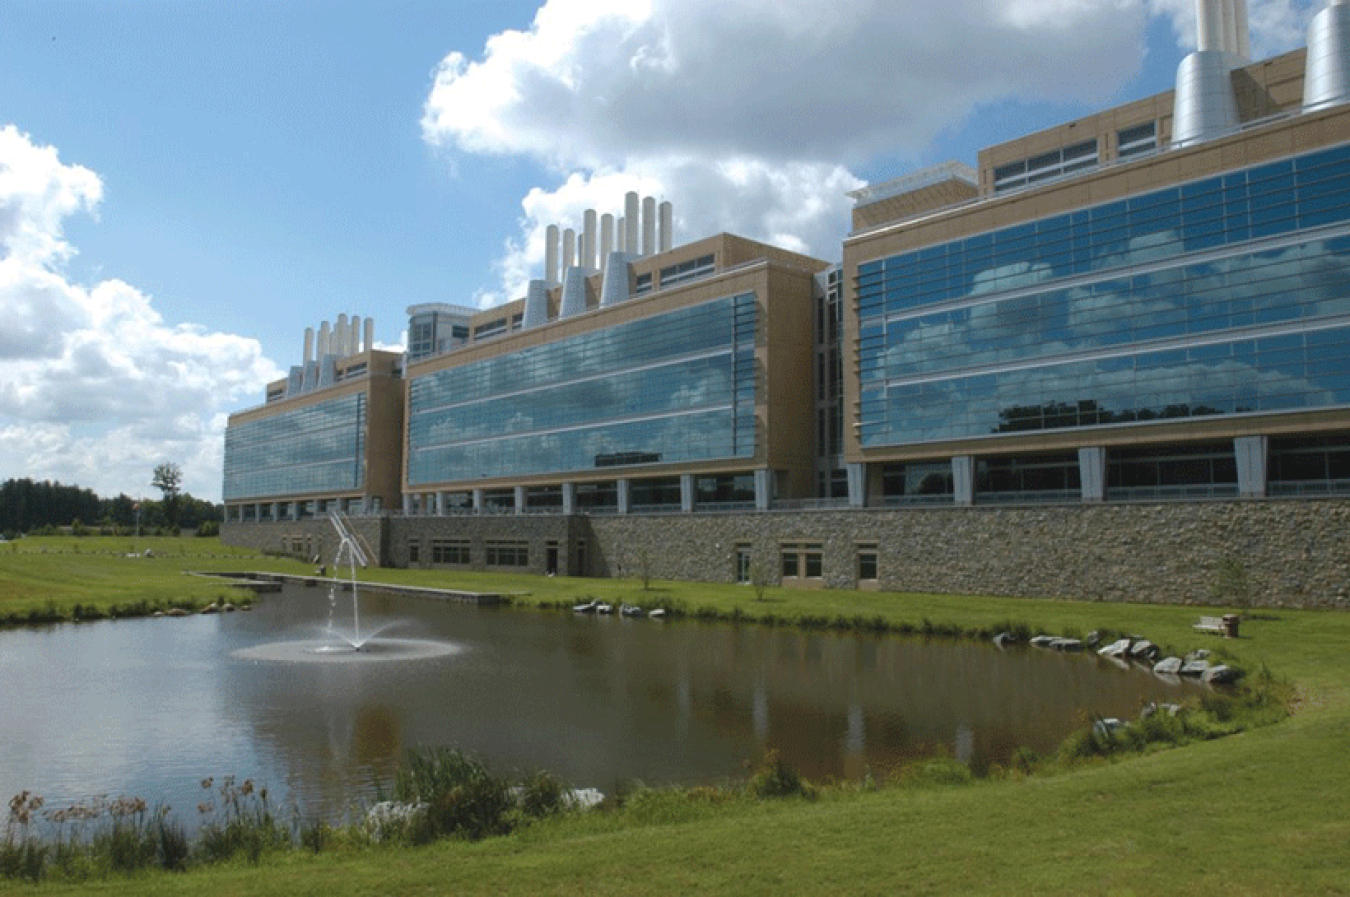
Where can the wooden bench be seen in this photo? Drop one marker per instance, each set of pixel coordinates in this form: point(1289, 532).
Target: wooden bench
point(1226, 625)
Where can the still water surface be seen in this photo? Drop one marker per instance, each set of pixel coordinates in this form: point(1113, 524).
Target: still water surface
point(150, 707)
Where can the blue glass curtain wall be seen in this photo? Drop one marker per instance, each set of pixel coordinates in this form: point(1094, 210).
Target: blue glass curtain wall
point(1108, 315)
point(315, 449)
point(674, 387)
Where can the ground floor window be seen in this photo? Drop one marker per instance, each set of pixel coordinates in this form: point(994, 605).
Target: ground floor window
point(867, 563)
point(450, 551)
point(803, 560)
point(507, 553)
point(414, 552)
point(1309, 458)
point(1154, 467)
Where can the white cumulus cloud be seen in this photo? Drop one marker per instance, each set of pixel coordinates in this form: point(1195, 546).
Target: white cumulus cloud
point(752, 115)
point(95, 386)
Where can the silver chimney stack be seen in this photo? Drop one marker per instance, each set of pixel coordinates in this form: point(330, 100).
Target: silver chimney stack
point(551, 238)
point(1327, 79)
point(1205, 104)
point(667, 221)
point(631, 221)
point(588, 240)
point(648, 226)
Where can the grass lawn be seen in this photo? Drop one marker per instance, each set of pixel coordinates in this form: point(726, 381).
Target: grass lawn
point(1263, 812)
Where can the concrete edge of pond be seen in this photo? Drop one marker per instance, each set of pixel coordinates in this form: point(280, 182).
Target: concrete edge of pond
point(273, 582)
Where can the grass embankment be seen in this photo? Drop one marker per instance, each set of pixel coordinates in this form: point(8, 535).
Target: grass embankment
point(49, 579)
point(1263, 812)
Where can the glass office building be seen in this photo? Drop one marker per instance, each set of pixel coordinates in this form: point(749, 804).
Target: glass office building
point(317, 448)
point(333, 446)
point(1224, 295)
point(1153, 320)
point(676, 387)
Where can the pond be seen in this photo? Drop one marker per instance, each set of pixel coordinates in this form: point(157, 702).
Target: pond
point(150, 707)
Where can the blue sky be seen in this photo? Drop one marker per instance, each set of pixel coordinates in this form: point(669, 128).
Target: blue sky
point(185, 185)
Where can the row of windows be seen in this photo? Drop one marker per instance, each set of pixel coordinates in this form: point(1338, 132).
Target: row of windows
point(317, 448)
point(687, 271)
point(1289, 372)
point(507, 553)
point(1046, 166)
point(674, 387)
point(685, 333)
point(497, 553)
point(803, 561)
point(1259, 289)
point(708, 490)
point(1289, 460)
point(936, 376)
point(1265, 201)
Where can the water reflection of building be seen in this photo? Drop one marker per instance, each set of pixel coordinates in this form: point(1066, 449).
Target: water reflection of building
point(1147, 304)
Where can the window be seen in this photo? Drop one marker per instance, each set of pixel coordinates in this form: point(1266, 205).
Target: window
point(1137, 140)
point(643, 284)
point(803, 560)
point(1046, 166)
point(490, 328)
point(414, 552)
point(450, 551)
point(867, 563)
point(507, 553)
point(686, 271)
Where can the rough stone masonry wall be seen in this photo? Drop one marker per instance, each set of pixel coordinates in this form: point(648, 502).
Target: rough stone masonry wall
point(1266, 553)
point(307, 538)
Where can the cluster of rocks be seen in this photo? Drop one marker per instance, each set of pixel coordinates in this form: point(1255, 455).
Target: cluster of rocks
point(222, 607)
point(1195, 664)
point(1138, 649)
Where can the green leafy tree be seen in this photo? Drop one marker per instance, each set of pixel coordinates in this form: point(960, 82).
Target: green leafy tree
point(167, 479)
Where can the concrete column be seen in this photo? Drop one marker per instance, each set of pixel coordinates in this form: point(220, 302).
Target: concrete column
point(763, 489)
point(569, 497)
point(478, 501)
point(625, 488)
point(440, 504)
point(857, 484)
point(1092, 473)
point(520, 500)
point(686, 492)
point(963, 479)
point(1250, 452)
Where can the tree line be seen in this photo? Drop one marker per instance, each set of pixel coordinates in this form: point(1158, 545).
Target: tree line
point(30, 506)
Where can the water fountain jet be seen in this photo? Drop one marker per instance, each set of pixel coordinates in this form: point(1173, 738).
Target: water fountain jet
point(355, 647)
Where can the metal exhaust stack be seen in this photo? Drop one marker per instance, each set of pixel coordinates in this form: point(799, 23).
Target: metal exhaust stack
point(1326, 82)
point(1205, 105)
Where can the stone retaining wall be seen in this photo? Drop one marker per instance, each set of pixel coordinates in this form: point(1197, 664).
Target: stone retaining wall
point(1262, 553)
